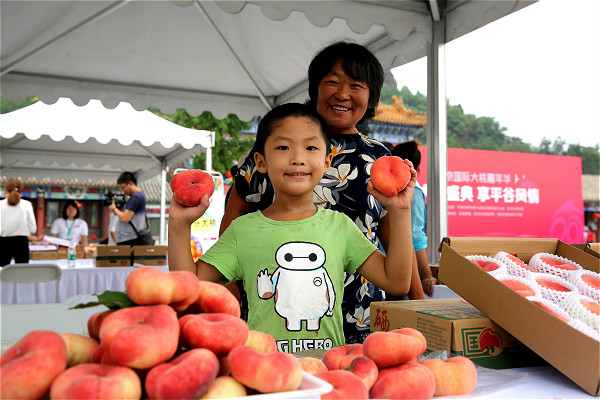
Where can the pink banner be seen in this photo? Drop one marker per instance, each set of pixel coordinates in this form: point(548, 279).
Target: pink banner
point(502, 194)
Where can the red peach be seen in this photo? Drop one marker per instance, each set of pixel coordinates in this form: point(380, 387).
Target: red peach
point(558, 263)
point(312, 365)
point(591, 306)
point(396, 347)
point(216, 298)
point(592, 281)
point(29, 367)
point(552, 285)
point(141, 337)
point(345, 384)
point(365, 369)
point(520, 287)
point(95, 322)
point(187, 376)
point(454, 376)
point(149, 286)
point(265, 372)
point(191, 185)
point(487, 266)
point(519, 262)
point(340, 357)
point(224, 387)
point(390, 175)
point(80, 348)
point(261, 341)
point(406, 381)
point(217, 332)
point(97, 381)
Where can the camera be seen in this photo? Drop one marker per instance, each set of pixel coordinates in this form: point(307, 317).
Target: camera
point(109, 196)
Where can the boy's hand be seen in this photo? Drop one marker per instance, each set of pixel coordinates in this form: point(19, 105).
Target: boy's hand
point(403, 199)
point(179, 213)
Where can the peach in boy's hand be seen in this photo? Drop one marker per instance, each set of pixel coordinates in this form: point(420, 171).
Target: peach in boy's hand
point(390, 175)
point(190, 186)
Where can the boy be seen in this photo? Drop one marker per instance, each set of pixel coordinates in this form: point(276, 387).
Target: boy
point(292, 256)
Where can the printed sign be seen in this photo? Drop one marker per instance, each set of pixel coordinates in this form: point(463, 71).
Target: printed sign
point(503, 194)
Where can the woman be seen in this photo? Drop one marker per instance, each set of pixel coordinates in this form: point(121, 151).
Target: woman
point(345, 81)
point(70, 226)
point(17, 224)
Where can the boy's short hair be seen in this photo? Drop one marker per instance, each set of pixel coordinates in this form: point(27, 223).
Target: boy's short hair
point(126, 177)
point(409, 150)
point(272, 119)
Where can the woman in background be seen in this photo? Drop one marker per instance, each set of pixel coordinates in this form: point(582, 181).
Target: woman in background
point(70, 226)
point(17, 225)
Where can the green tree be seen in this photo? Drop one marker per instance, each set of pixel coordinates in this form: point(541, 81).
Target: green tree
point(229, 144)
point(8, 106)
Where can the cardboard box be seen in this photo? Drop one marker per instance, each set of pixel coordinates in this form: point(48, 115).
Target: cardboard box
point(150, 255)
point(593, 249)
point(573, 353)
point(43, 255)
point(110, 255)
point(457, 327)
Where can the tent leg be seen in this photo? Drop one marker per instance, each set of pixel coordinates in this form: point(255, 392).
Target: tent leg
point(437, 206)
point(163, 195)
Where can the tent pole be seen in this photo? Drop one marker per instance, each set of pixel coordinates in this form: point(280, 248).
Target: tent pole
point(437, 210)
point(163, 195)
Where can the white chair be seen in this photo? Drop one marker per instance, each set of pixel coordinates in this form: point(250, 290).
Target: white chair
point(19, 319)
point(31, 273)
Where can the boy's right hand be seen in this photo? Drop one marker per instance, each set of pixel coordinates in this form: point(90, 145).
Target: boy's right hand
point(179, 213)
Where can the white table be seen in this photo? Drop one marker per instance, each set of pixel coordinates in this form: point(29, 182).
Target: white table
point(83, 279)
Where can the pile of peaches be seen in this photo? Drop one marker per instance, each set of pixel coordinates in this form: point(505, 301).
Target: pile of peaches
point(184, 339)
point(558, 285)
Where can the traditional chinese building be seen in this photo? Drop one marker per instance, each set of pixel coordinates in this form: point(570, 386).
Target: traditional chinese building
point(395, 123)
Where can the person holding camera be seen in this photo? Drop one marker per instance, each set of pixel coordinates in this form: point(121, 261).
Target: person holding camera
point(70, 226)
point(130, 226)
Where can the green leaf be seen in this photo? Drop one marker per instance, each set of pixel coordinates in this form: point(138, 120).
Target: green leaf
point(112, 300)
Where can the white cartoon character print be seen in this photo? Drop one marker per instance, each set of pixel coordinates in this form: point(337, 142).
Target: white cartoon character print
point(301, 285)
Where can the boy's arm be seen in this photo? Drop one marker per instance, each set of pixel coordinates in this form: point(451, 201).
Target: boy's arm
point(180, 222)
point(393, 273)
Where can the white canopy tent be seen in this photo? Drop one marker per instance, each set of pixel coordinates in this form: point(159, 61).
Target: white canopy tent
point(92, 145)
point(238, 57)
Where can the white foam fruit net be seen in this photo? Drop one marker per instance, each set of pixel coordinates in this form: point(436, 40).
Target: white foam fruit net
point(585, 328)
point(583, 308)
point(514, 265)
point(552, 287)
point(491, 265)
point(548, 263)
point(550, 307)
point(520, 285)
point(587, 282)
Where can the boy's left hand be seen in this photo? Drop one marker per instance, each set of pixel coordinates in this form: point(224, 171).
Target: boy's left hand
point(403, 199)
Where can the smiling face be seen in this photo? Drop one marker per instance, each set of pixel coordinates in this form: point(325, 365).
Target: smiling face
point(71, 212)
point(342, 100)
point(295, 156)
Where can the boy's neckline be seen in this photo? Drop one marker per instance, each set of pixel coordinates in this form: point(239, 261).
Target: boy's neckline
point(304, 218)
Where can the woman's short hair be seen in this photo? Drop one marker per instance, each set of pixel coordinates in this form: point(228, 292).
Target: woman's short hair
point(70, 203)
point(357, 61)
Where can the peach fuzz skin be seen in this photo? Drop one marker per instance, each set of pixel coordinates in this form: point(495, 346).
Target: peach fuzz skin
point(95, 322)
point(405, 381)
point(190, 186)
point(390, 175)
point(454, 376)
point(312, 365)
point(396, 347)
point(340, 357)
point(29, 367)
point(364, 368)
point(345, 384)
point(171, 380)
point(224, 387)
point(261, 341)
point(140, 337)
point(265, 372)
point(215, 298)
point(97, 381)
point(80, 348)
point(217, 332)
point(150, 286)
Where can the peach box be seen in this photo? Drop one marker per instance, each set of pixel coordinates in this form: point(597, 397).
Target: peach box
point(457, 327)
point(110, 255)
point(571, 352)
point(43, 255)
point(150, 255)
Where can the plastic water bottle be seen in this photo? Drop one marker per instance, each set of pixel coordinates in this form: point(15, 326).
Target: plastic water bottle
point(72, 255)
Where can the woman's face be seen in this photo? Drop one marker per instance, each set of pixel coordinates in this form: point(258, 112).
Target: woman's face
point(71, 211)
point(342, 101)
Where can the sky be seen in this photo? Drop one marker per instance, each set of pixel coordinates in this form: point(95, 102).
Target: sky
point(535, 71)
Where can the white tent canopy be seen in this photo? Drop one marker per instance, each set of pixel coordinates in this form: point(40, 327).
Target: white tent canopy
point(238, 57)
point(70, 145)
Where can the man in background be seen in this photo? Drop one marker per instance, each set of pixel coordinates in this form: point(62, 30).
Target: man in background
point(134, 211)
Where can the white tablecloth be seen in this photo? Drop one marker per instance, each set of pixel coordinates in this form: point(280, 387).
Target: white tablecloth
point(83, 279)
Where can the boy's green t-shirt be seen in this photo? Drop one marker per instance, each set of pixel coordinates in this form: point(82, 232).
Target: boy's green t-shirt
point(293, 274)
